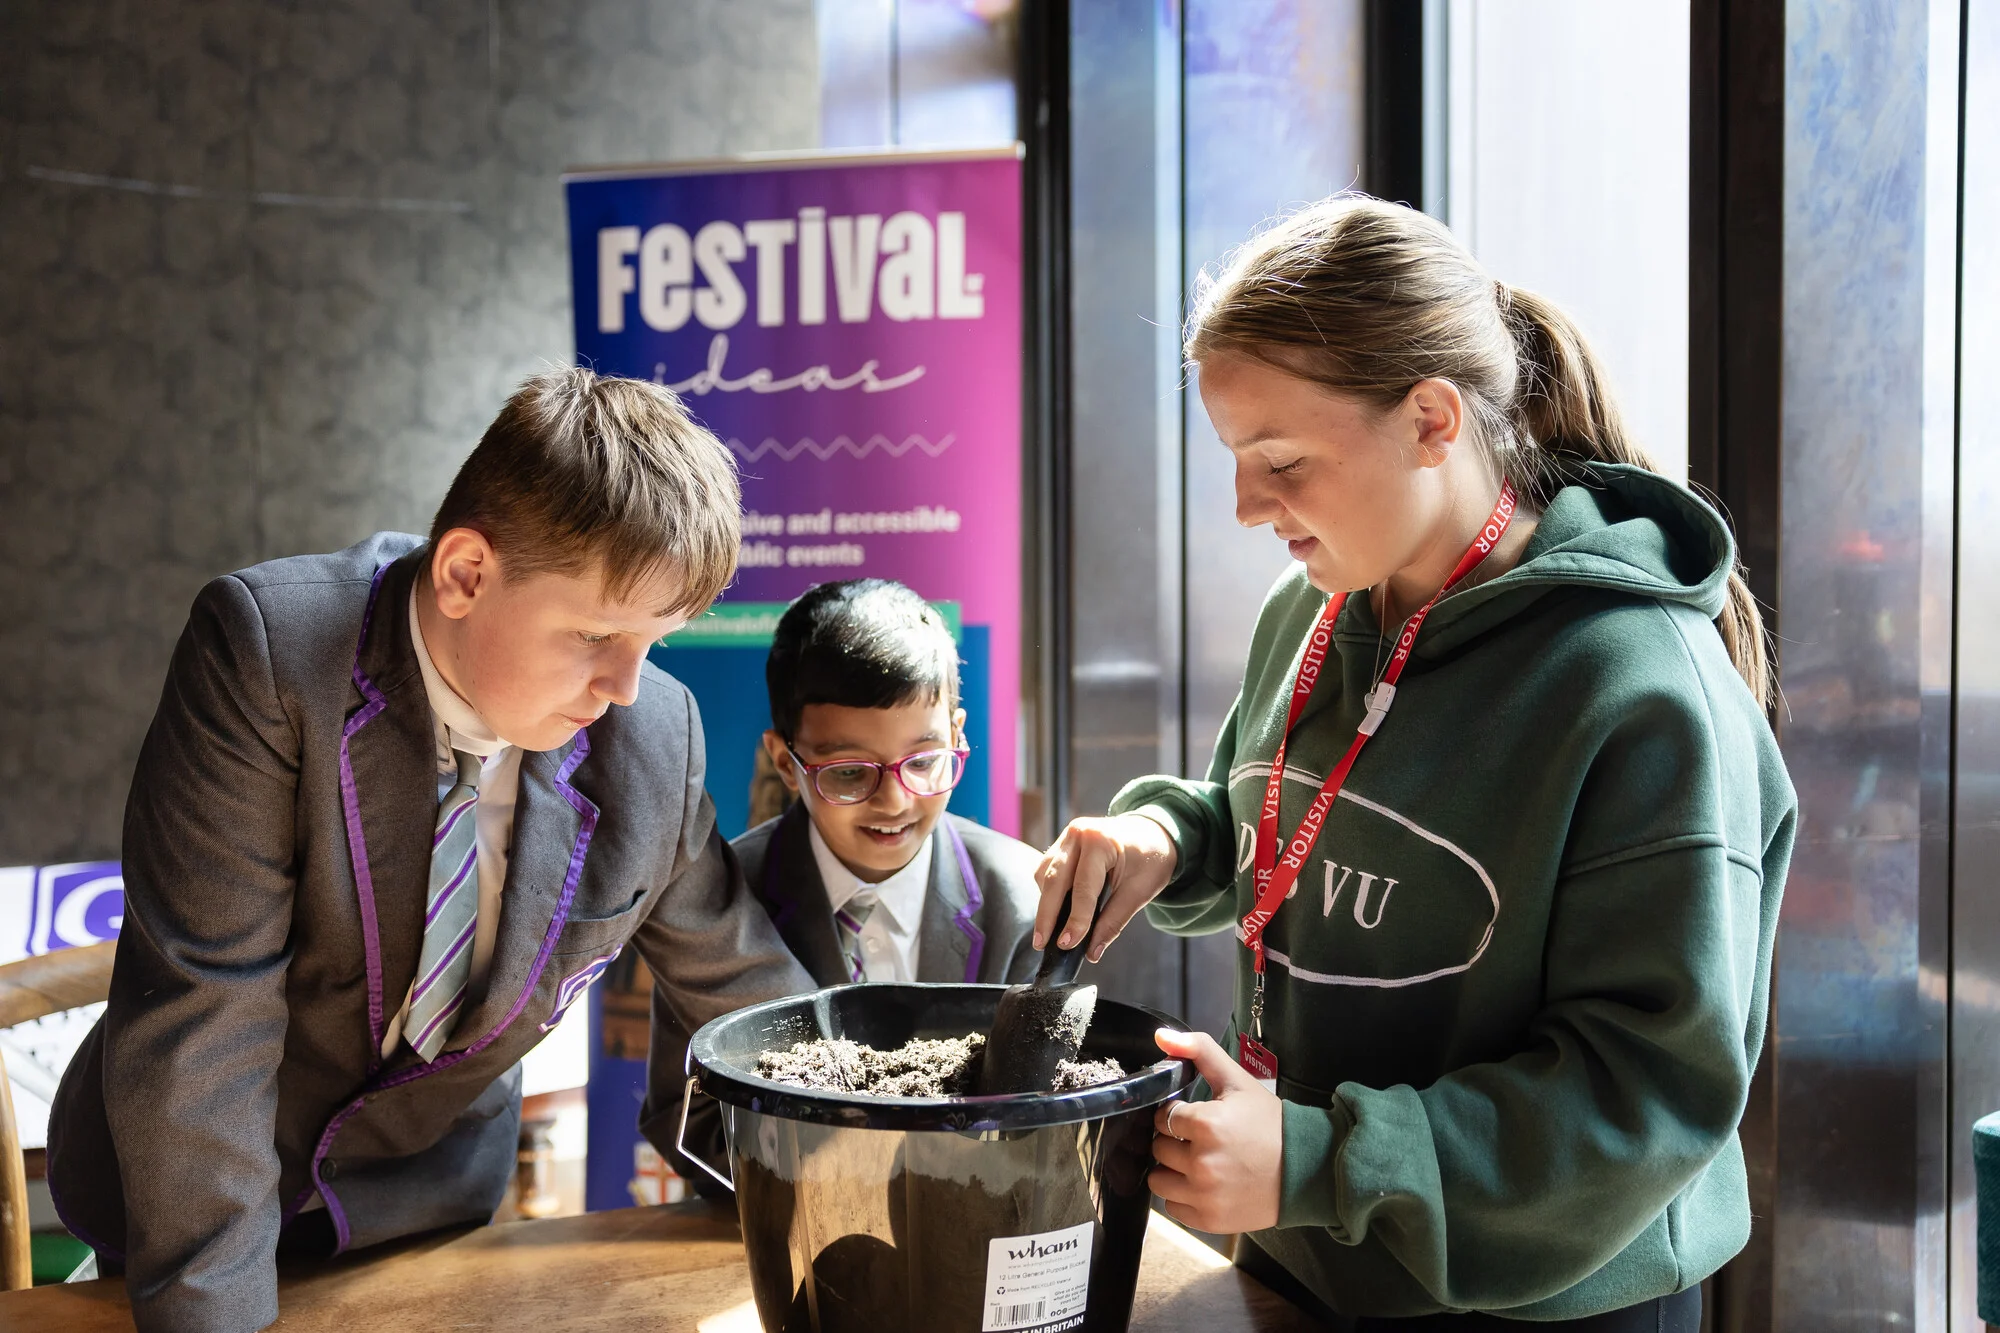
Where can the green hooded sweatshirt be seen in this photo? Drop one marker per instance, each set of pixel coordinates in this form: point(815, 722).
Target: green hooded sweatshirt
point(1519, 987)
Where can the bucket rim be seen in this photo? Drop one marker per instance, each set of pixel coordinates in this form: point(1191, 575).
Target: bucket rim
point(1161, 1081)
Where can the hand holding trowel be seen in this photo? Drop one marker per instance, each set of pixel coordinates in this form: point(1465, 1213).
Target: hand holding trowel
point(1040, 1023)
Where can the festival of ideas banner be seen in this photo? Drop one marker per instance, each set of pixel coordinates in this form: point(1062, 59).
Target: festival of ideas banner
point(851, 328)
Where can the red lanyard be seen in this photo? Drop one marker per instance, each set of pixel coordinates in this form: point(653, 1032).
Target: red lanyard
point(1274, 877)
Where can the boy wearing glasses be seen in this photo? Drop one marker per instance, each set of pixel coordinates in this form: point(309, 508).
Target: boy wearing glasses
point(866, 876)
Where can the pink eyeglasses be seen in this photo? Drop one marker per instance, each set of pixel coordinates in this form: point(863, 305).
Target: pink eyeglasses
point(852, 781)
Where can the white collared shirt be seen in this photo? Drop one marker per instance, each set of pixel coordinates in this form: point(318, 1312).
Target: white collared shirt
point(889, 939)
point(457, 727)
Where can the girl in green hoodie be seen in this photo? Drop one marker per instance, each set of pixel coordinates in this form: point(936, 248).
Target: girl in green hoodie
point(1507, 901)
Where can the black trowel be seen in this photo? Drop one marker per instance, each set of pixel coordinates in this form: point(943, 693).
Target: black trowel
point(1040, 1023)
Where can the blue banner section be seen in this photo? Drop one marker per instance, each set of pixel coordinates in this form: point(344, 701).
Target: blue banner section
point(617, 1087)
point(728, 683)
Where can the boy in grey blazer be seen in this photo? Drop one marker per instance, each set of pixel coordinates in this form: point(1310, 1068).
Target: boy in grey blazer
point(398, 806)
point(867, 876)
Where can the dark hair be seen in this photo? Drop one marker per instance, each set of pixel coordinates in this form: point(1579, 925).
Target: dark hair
point(859, 643)
point(581, 468)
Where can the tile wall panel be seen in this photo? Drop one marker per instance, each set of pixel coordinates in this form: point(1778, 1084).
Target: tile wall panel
point(269, 270)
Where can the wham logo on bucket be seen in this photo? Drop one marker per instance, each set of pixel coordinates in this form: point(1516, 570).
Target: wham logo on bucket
point(1039, 1283)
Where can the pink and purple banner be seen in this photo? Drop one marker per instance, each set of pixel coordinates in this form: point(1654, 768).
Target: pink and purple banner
point(851, 327)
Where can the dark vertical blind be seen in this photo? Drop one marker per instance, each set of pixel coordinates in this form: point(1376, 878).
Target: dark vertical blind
point(1393, 168)
point(1736, 150)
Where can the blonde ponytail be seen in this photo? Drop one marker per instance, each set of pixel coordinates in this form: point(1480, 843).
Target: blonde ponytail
point(1366, 298)
point(1562, 404)
point(1561, 400)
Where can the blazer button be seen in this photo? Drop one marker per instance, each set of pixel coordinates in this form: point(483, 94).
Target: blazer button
point(329, 1170)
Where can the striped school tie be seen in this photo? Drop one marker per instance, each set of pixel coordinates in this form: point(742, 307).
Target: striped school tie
point(450, 918)
point(850, 919)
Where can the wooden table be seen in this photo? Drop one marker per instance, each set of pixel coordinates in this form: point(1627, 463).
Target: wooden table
point(677, 1269)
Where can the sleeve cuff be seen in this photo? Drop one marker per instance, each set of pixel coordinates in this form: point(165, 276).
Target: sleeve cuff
point(1178, 834)
point(1164, 817)
point(1138, 794)
point(252, 1306)
point(1310, 1194)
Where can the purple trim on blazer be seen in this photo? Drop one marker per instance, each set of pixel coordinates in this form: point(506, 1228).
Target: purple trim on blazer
point(333, 1208)
point(298, 1202)
point(974, 900)
point(62, 1215)
point(357, 843)
point(582, 805)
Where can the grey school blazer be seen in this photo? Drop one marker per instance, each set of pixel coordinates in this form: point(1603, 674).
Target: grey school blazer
point(978, 925)
point(979, 915)
point(277, 859)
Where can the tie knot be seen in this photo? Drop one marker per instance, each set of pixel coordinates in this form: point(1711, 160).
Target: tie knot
point(860, 907)
point(468, 769)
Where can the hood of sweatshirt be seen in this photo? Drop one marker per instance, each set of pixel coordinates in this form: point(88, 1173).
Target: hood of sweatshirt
point(1612, 527)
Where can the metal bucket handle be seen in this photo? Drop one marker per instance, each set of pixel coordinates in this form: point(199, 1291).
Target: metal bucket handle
point(680, 1135)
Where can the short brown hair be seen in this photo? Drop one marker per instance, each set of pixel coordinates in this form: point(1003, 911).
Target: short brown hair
point(581, 468)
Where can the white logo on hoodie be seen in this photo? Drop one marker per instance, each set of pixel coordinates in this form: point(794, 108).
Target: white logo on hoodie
point(1457, 912)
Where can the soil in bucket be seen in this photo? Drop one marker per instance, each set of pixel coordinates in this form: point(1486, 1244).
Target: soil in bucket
point(919, 1068)
point(953, 1214)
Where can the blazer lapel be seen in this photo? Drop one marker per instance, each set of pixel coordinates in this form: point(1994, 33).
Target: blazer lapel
point(552, 824)
point(950, 940)
point(389, 795)
point(795, 896)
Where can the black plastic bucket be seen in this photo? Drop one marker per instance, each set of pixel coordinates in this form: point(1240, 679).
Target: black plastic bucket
point(940, 1215)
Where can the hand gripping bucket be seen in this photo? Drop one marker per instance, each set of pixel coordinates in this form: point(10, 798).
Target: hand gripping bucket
point(958, 1215)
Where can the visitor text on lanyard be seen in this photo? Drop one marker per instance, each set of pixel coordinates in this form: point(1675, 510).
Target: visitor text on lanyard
point(1275, 876)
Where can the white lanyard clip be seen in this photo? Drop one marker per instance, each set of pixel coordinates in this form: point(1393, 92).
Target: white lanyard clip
point(1378, 702)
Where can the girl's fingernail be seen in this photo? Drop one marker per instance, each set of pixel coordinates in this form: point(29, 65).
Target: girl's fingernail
point(1040, 943)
